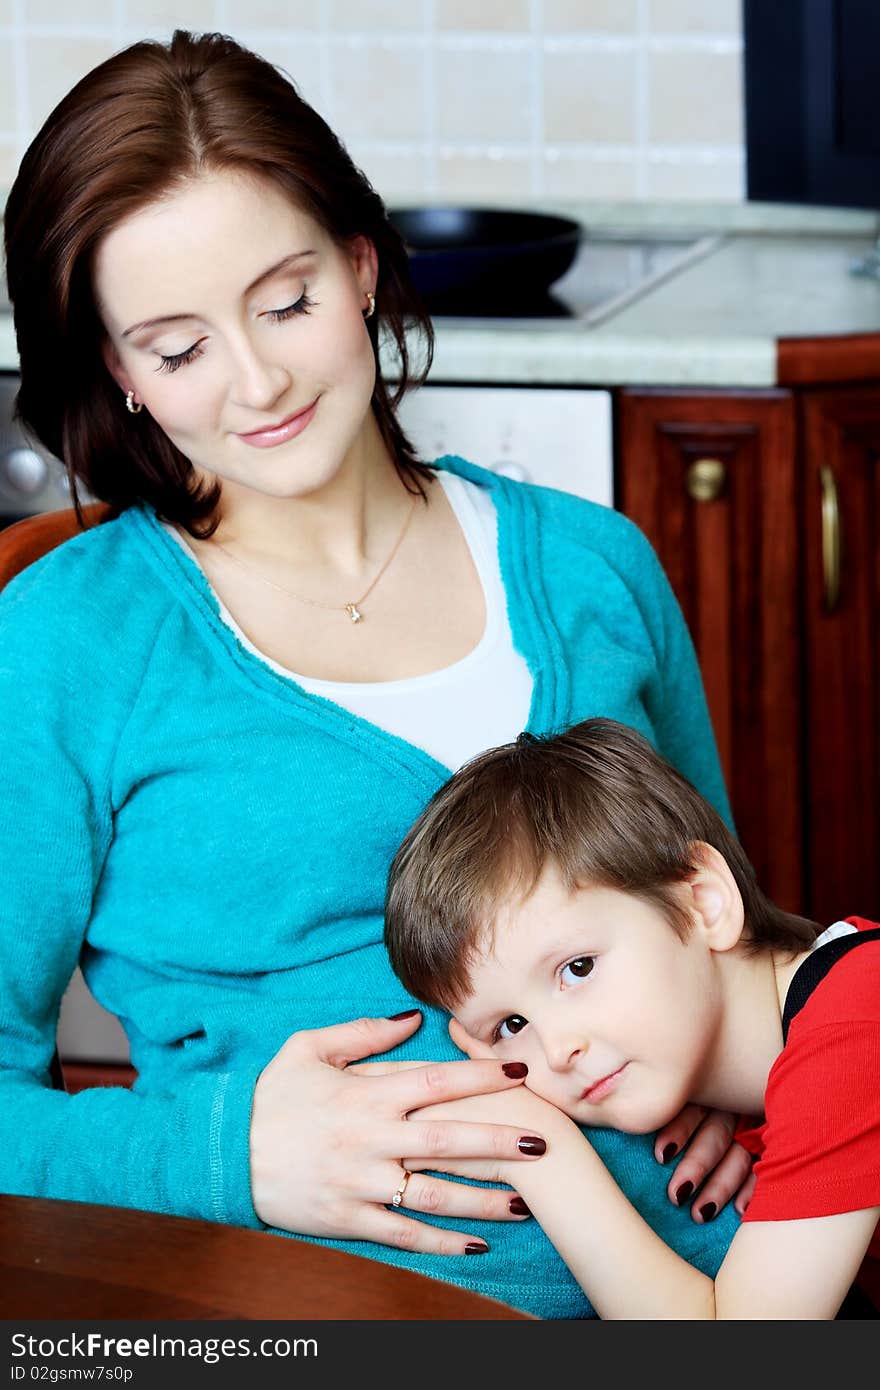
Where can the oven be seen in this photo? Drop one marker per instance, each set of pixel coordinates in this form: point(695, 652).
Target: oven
point(31, 479)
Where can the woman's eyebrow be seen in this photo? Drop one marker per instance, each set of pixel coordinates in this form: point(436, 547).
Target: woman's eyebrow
point(284, 264)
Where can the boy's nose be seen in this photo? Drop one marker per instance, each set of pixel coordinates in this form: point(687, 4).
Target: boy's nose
point(563, 1051)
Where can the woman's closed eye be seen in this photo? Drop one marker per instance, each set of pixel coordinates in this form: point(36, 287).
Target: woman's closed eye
point(302, 306)
point(180, 359)
point(173, 361)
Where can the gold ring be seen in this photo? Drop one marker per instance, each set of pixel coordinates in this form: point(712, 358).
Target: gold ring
point(397, 1199)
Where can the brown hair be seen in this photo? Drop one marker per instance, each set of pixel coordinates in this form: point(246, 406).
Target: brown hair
point(145, 120)
point(597, 801)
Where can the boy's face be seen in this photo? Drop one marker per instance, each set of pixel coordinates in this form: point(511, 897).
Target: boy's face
point(614, 1014)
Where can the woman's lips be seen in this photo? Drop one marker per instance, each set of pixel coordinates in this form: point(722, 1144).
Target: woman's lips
point(604, 1087)
point(288, 429)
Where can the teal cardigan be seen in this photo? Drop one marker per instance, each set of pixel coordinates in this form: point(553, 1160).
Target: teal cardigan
point(211, 843)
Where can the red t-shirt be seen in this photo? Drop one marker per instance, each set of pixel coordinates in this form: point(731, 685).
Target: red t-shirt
point(819, 1146)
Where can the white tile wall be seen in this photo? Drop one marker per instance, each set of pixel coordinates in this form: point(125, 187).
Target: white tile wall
point(624, 99)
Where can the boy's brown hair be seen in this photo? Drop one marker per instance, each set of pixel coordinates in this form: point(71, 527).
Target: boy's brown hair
point(601, 804)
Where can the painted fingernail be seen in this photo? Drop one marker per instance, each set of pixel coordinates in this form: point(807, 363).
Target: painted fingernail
point(708, 1211)
point(476, 1247)
point(517, 1206)
point(515, 1070)
point(407, 1013)
point(531, 1144)
point(684, 1192)
point(669, 1152)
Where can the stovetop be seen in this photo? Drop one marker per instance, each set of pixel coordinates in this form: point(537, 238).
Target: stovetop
point(610, 270)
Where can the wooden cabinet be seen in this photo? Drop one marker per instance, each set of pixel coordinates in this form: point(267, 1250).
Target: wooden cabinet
point(710, 478)
point(763, 507)
point(841, 491)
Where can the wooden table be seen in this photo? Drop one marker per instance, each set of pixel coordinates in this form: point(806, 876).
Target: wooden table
point(74, 1260)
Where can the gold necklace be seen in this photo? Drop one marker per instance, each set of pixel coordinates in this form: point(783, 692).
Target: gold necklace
point(353, 609)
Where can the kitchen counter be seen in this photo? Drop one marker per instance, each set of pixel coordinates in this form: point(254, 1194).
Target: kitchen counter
point(715, 323)
point(772, 273)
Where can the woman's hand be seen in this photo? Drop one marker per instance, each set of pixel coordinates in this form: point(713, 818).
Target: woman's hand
point(516, 1107)
point(712, 1158)
point(327, 1140)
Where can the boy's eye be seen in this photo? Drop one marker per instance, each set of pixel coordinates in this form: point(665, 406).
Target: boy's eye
point(579, 968)
point(509, 1027)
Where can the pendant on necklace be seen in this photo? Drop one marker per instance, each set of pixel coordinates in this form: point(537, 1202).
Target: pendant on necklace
point(353, 612)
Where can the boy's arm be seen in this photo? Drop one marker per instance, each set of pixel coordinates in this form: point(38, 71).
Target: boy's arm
point(625, 1269)
point(773, 1269)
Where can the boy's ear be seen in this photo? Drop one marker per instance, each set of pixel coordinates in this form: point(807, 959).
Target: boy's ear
point(476, 1050)
point(715, 899)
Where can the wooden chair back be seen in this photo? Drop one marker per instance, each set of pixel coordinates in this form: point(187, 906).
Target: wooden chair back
point(30, 539)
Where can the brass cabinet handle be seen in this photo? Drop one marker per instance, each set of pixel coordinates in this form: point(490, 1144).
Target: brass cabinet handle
point(830, 537)
point(705, 479)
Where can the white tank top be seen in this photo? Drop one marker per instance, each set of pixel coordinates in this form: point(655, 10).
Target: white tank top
point(459, 711)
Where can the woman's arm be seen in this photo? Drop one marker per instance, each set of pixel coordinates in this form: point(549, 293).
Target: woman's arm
point(68, 682)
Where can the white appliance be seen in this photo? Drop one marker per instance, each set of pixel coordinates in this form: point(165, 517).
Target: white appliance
point(553, 436)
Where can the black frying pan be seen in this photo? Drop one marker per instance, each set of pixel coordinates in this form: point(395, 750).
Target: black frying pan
point(477, 257)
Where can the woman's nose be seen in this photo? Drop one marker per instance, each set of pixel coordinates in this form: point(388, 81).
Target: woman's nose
point(258, 383)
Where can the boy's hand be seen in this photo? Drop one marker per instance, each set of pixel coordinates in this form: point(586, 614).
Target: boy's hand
point(711, 1157)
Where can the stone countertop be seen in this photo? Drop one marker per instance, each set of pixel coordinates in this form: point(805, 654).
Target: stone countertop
point(774, 272)
point(714, 323)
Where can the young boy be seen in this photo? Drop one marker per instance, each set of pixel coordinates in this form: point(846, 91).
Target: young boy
point(581, 909)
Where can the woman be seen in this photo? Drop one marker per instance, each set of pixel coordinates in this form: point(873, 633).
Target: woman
point(243, 689)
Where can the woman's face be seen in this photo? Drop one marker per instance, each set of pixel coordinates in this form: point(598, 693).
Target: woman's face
point(228, 311)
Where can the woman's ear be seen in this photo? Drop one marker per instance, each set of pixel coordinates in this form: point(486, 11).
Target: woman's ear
point(114, 366)
point(715, 899)
point(365, 263)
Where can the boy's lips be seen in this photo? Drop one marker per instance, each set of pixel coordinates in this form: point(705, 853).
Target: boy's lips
point(604, 1086)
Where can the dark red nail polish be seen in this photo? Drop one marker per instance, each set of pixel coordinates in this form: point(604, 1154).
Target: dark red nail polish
point(669, 1152)
point(476, 1247)
point(531, 1144)
point(518, 1207)
point(684, 1192)
point(708, 1211)
point(407, 1013)
point(515, 1070)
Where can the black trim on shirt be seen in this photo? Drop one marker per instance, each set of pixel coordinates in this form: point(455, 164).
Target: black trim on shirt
point(815, 968)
